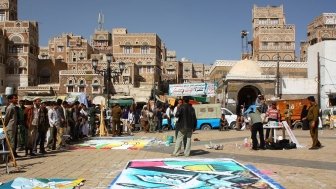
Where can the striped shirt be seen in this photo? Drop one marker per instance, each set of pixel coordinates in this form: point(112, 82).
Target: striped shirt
point(272, 113)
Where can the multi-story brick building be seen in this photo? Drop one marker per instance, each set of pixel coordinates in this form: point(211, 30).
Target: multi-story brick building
point(320, 29)
point(20, 47)
point(172, 71)
point(273, 39)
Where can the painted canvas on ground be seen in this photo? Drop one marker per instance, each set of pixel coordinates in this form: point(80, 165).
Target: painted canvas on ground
point(39, 183)
point(188, 173)
point(118, 143)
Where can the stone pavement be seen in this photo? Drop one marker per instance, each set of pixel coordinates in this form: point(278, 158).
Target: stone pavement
point(296, 168)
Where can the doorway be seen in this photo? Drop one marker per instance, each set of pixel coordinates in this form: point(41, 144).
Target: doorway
point(247, 96)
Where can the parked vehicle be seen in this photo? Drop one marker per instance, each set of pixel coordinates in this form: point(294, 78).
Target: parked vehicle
point(208, 117)
point(329, 117)
point(296, 105)
point(230, 117)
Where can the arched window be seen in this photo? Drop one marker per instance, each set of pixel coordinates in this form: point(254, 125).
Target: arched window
point(81, 86)
point(288, 58)
point(265, 57)
point(95, 86)
point(275, 57)
point(16, 39)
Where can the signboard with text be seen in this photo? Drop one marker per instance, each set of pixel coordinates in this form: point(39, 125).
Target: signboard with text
point(192, 89)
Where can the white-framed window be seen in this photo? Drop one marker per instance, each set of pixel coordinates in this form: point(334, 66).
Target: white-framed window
point(141, 70)
point(276, 45)
point(128, 50)
point(145, 49)
point(274, 21)
point(2, 15)
point(263, 21)
point(60, 48)
point(150, 69)
point(15, 49)
point(264, 45)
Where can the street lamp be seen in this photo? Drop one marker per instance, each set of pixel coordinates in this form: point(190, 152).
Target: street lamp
point(107, 73)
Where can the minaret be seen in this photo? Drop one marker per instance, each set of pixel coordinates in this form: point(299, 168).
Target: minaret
point(100, 21)
point(8, 10)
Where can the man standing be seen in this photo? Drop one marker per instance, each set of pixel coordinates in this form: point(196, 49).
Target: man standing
point(22, 130)
point(169, 115)
point(288, 115)
point(187, 122)
point(32, 122)
point(43, 126)
point(257, 126)
point(116, 114)
point(11, 121)
point(53, 123)
point(312, 117)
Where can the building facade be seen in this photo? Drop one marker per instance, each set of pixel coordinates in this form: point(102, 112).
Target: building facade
point(21, 47)
point(322, 28)
point(273, 39)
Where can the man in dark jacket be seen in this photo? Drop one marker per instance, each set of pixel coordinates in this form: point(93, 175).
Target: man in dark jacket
point(186, 125)
point(116, 114)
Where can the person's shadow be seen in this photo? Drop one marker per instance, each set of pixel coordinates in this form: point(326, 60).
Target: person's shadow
point(198, 152)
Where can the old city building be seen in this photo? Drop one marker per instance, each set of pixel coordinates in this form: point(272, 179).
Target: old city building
point(273, 39)
point(322, 28)
point(171, 71)
point(272, 68)
point(20, 46)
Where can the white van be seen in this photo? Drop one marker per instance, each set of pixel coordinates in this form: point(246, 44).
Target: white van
point(230, 117)
point(329, 121)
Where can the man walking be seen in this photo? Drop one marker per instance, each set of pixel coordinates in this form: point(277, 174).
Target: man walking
point(312, 117)
point(187, 124)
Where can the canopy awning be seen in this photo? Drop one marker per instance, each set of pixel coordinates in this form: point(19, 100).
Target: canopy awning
point(43, 98)
point(121, 102)
point(201, 99)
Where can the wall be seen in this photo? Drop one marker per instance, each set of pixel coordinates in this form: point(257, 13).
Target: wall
point(327, 52)
point(298, 86)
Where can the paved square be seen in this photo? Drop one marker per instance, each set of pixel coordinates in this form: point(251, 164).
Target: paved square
point(296, 168)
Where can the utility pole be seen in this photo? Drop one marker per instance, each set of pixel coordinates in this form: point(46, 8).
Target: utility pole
point(318, 80)
point(278, 77)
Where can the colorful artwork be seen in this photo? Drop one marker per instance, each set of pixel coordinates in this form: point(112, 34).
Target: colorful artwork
point(118, 143)
point(42, 183)
point(188, 173)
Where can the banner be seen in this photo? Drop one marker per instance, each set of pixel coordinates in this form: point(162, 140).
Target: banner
point(192, 89)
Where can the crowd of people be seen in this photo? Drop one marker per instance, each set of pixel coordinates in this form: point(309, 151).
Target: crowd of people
point(27, 125)
point(41, 127)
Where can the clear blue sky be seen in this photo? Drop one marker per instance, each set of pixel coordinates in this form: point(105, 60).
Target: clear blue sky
point(200, 30)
